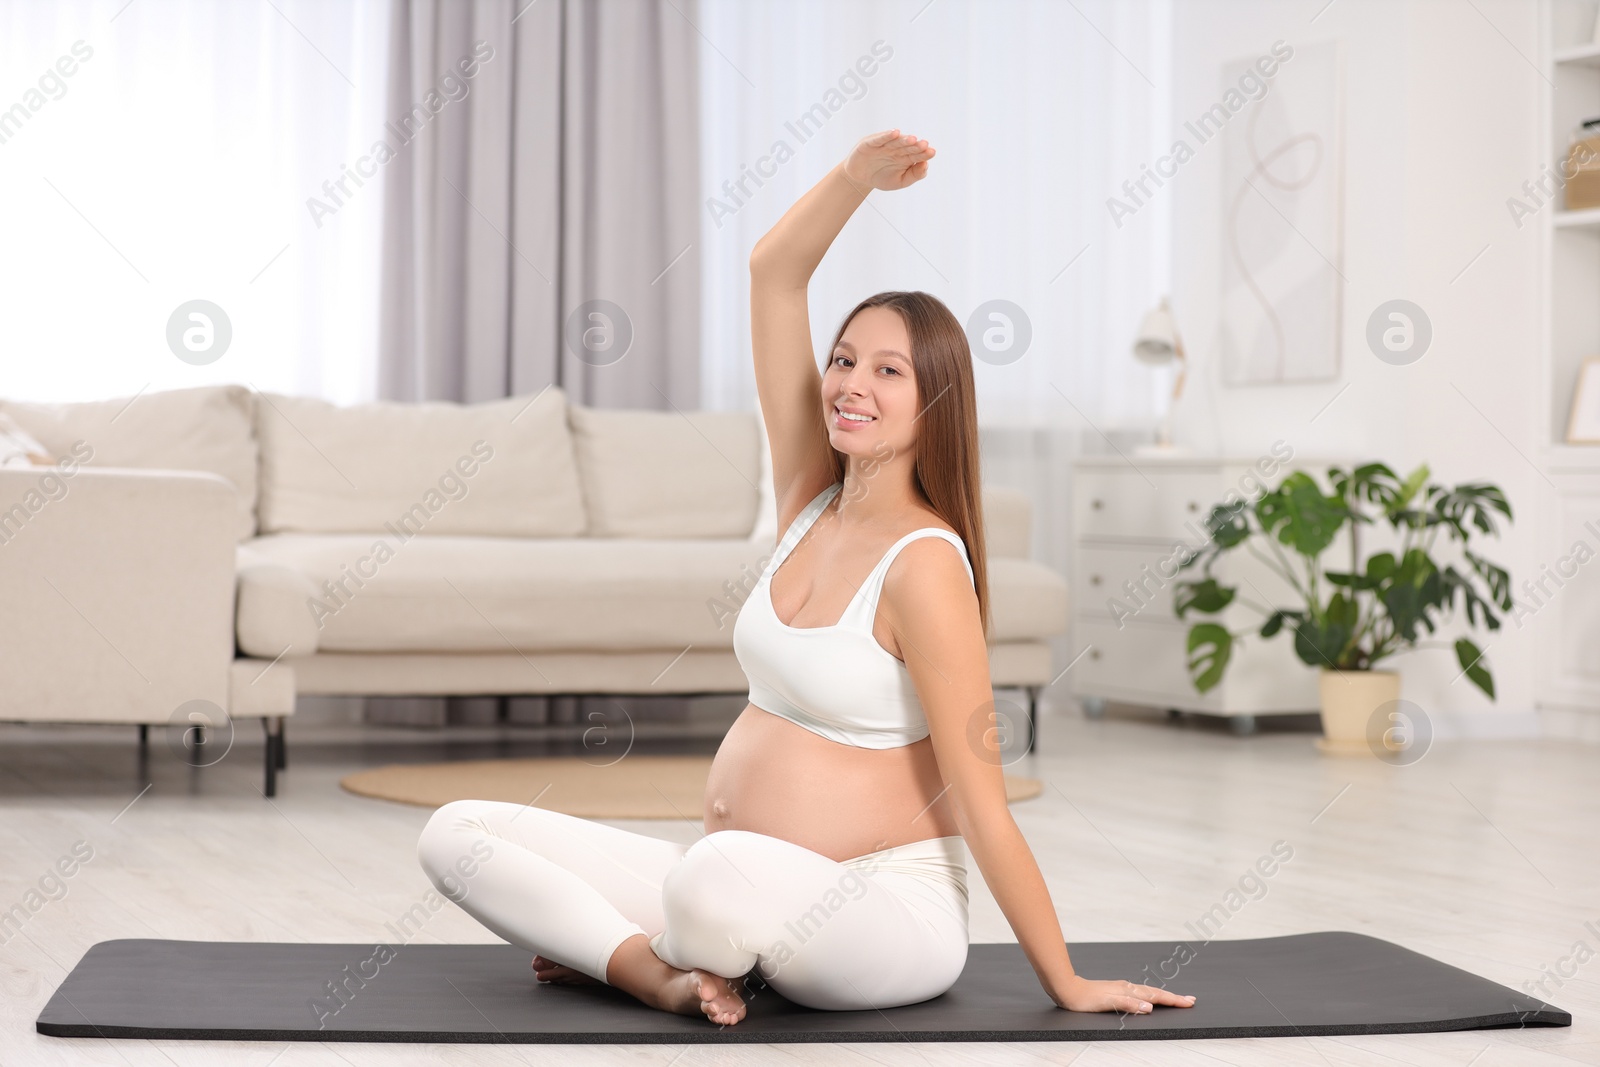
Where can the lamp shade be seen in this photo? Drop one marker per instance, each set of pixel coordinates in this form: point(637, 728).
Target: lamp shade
point(1157, 341)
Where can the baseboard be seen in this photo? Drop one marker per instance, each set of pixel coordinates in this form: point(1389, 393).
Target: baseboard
point(1570, 724)
point(1549, 724)
point(1486, 725)
point(326, 711)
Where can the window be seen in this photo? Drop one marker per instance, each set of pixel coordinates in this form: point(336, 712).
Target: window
point(162, 151)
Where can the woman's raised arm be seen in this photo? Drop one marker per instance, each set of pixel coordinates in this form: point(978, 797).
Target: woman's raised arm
point(787, 379)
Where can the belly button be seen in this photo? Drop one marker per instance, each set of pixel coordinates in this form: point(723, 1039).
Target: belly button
point(719, 807)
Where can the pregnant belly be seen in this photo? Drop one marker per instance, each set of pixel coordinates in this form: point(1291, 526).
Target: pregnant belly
point(775, 777)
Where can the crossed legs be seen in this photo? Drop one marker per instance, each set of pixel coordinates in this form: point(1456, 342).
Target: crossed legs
point(823, 934)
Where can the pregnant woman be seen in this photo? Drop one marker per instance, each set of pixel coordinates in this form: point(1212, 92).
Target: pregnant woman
point(837, 805)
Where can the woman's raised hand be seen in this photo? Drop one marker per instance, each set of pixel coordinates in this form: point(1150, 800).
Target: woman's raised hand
point(888, 160)
point(1086, 994)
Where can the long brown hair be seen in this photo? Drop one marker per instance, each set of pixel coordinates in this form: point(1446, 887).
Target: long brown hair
point(946, 468)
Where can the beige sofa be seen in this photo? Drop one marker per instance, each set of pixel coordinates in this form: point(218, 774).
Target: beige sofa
point(236, 547)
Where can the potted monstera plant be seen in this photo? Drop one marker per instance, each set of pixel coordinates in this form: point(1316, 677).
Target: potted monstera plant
point(1349, 620)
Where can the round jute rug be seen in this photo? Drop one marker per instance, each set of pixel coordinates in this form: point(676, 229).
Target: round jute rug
point(639, 787)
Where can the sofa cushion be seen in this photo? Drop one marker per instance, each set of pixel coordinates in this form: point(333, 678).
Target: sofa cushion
point(1027, 600)
point(19, 448)
point(203, 429)
point(487, 594)
point(1007, 522)
point(271, 617)
point(667, 474)
point(503, 468)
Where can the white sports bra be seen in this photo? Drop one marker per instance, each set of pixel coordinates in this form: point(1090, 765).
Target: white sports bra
point(836, 680)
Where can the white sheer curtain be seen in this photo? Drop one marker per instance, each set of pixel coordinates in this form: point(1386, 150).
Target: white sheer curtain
point(175, 163)
point(1040, 111)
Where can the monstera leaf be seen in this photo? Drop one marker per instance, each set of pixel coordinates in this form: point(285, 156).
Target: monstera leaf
point(1300, 516)
point(1276, 620)
point(1471, 503)
point(1210, 646)
point(1496, 578)
point(1321, 642)
point(1374, 483)
point(1204, 595)
point(1470, 658)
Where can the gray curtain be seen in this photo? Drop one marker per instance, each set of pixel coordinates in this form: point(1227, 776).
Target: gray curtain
point(546, 157)
point(563, 171)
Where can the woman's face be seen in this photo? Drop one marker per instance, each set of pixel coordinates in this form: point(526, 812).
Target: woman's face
point(869, 373)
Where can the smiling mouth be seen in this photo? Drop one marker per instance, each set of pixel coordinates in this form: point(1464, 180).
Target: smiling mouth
point(848, 417)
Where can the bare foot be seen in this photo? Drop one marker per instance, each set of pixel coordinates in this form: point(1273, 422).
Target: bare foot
point(694, 992)
point(559, 974)
point(635, 968)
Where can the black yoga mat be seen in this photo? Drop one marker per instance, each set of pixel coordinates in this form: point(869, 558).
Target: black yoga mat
point(1305, 984)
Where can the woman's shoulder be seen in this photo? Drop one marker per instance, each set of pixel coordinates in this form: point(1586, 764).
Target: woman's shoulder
point(928, 527)
point(937, 524)
point(928, 519)
point(929, 573)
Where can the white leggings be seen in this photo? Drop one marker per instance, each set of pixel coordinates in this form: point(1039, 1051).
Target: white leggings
point(878, 930)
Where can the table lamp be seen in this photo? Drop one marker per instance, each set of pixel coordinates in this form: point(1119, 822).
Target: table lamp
point(1158, 344)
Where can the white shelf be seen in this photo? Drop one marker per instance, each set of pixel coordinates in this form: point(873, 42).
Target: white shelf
point(1565, 457)
point(1584, 55)
point(1589, 217)
point(1569, 277)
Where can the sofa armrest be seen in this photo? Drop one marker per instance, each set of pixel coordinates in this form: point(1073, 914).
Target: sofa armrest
point(118, 603)
point(1007, 522)
point(273, 616)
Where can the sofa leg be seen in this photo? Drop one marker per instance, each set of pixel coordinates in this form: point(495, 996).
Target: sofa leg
point(144, 738)
point(270, 784)
point(283, 744)
point(1033, 716)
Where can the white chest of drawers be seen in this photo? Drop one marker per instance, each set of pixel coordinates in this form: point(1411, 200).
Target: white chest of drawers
point(1134, 521)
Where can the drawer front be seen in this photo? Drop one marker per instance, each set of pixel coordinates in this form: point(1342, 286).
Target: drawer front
point(1115, 504)
point(1104, 574)
point(1139, 659)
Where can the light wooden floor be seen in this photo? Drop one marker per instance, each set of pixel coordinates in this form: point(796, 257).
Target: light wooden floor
point(1483, 854)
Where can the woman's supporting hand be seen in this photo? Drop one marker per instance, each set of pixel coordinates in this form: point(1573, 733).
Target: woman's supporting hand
point(888, 160)
point(1086, 994)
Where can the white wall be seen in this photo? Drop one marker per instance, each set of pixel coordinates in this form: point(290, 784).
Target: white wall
point(1441, 126)
point(1033, 115)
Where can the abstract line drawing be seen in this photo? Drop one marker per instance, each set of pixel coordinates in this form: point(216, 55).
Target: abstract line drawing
point(1282, 224)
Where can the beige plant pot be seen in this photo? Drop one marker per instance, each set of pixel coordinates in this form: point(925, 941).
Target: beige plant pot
point(1349, 699)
